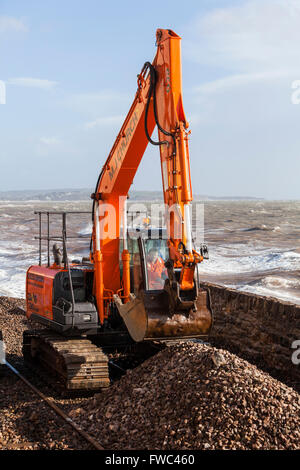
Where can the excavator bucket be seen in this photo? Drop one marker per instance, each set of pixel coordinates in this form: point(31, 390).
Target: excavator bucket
point(153, 316)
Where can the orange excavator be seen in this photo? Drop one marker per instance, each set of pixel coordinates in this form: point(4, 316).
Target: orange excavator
point(138, 284)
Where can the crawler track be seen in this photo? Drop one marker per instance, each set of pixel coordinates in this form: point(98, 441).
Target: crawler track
point(75, 364)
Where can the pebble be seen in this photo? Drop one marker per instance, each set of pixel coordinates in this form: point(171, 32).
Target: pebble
point(194, 396)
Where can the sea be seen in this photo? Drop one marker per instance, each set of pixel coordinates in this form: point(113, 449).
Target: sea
point(254, 245)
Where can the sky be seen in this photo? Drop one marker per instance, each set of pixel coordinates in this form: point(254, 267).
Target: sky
point(69, 69)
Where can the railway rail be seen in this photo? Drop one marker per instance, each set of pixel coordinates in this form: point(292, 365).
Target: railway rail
point(56, 409)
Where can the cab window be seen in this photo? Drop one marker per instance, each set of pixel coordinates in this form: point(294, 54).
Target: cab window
point(156, 255)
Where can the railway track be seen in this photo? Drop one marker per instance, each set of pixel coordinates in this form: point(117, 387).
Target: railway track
point(96, 445)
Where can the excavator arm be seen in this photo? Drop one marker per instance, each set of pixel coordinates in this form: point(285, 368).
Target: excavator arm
point(157, 103)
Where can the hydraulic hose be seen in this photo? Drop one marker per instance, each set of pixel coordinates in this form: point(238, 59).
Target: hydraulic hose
point(152, 93)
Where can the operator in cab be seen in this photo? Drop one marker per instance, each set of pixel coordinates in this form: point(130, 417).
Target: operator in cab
point(156, 270)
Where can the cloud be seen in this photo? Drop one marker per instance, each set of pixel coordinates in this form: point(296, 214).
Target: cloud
point(49, 141)
point(242, 118)
point(109, 102)
point(230, 82)
point(256, 35)
point(104, 121)
point(9, 23)
point(43, 84)
point(47, 146)
point(251, 50)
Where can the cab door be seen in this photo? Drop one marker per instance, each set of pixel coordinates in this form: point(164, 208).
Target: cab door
point(153, 254)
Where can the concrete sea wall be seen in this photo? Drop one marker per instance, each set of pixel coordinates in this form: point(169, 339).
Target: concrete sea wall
point(259, 329)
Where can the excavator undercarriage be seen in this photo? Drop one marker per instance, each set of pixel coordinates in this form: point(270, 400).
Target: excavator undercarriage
point(74, 363)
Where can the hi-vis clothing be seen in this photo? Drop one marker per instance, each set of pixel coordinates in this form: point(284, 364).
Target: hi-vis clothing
point(155, 270)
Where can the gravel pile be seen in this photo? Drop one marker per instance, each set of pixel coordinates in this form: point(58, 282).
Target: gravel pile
point(193, 396)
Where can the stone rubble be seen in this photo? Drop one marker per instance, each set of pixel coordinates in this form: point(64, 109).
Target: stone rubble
point(188, 396)
point(194, 396)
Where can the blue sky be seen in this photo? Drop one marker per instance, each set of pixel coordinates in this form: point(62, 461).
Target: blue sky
point(70, 72)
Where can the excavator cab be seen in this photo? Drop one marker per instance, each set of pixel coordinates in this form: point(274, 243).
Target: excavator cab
point(158, 308)
point(148, 253)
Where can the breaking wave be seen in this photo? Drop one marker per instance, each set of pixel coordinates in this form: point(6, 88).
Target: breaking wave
point(255, 229)
point(87, 230)
point(219, 263)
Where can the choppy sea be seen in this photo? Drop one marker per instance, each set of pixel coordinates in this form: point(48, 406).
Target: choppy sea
point(254, 246)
